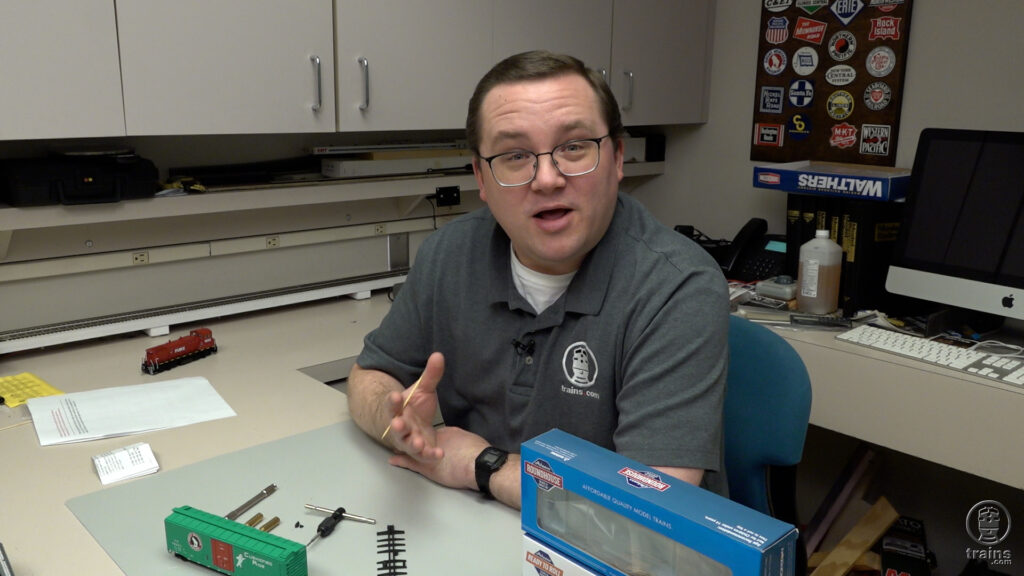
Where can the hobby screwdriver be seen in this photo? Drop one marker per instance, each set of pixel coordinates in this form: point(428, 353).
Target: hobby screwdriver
point(336, 516)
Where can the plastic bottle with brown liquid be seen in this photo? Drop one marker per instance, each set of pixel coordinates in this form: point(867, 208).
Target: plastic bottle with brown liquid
point(821, 261)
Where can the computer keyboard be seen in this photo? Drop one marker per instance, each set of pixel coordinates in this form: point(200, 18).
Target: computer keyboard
point(997, 367)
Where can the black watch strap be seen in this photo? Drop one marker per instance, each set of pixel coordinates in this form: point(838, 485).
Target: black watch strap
point(489, 461)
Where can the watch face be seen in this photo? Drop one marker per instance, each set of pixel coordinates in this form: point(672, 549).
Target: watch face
point(491, 457)
point(488, 462)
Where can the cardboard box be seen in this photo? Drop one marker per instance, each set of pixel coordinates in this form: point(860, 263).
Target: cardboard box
point(615, 516)
point(539, 559)
point(835, 179)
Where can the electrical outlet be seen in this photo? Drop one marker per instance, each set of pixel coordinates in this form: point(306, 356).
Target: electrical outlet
point(273, 241)
point(140, 258)
point(447, 196)
point(380, 229)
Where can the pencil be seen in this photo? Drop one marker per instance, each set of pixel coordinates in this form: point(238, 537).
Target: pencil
point(412, 390)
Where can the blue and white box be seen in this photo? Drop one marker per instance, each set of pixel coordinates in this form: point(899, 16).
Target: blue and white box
point(615, 516)
point(539, 559)
point(835, 179)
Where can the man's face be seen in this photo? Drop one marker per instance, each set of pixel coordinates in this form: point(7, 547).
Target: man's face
point(553, 221)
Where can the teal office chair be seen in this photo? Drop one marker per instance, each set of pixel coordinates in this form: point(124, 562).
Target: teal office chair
point(767, 408)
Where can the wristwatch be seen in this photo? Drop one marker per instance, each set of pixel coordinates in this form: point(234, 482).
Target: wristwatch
point(487, 463)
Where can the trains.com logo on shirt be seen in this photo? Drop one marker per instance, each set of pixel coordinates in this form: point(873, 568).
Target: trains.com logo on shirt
point(580, 368)
point(579, 365)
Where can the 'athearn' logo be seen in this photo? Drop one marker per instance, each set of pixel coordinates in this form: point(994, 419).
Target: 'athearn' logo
point(643, 480)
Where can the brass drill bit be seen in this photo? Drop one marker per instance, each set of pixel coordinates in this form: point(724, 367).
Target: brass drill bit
point(271, 524)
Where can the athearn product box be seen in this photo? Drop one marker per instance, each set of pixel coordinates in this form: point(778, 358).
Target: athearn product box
point(835, 179)
point(614, 517)
point(539, 559)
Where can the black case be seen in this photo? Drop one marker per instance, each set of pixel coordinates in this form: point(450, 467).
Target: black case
point(76, 179)
point(905, 549)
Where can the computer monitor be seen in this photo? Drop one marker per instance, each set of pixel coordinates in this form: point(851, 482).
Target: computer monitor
point(961, 242)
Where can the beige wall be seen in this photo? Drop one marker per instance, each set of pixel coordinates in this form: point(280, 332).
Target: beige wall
point(964, 71)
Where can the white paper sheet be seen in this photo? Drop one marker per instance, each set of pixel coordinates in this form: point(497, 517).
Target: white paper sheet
point(125, 410)
point(123, 463)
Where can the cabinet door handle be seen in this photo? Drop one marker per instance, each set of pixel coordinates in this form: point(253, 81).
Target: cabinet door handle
point(319, 83)
point(604, 74)
point(366, 83)
point(629, 90)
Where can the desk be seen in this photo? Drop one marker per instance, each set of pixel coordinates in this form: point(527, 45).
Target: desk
point(941, 415)
point(255, 370)
point(958, 420)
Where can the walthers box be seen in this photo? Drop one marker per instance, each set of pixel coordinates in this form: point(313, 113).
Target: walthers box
point(835, 179)
point(615, 516)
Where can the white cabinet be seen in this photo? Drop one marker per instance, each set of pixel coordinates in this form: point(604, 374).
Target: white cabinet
point(655, 53)
point(95, 68)
point(661, 52)
point(409, 65)
point(227, 67)
point(581, 28)
point(60, 70)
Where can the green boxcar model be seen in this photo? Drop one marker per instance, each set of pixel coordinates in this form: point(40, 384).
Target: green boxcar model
point(230, 547)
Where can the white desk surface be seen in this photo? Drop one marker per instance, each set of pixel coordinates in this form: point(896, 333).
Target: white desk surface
point(966, 422)
point(961, 421)
point(256, 371)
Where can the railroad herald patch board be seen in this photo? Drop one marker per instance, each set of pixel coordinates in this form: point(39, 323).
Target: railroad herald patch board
point(829, 80)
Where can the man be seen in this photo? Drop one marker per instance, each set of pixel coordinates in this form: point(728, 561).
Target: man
point(562, 304)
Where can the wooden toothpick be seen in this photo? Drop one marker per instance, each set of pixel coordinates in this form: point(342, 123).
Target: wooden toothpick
point(412, 390)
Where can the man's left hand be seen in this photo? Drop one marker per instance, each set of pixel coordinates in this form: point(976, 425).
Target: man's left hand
point(457, 468)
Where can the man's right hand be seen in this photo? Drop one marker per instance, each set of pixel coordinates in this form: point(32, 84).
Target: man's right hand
point(412, 427)
point(446, 456)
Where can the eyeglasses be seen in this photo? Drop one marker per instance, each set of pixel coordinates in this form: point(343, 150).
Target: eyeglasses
point(573, 158)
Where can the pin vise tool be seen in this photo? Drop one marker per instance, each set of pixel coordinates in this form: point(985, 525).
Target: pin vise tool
point(336, 516)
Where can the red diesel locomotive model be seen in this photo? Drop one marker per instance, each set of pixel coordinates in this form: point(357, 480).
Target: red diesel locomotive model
point(197, 344)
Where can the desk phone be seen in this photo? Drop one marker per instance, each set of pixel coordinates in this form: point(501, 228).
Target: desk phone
point(753, 254)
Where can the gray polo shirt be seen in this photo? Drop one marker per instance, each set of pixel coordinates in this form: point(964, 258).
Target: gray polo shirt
point(632, 357)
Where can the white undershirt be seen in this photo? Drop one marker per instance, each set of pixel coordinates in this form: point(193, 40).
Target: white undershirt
point(540, 290)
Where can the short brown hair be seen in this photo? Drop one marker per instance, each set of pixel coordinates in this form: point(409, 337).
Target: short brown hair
point(539, 65)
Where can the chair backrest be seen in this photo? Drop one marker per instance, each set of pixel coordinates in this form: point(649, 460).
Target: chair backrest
point(767, 408)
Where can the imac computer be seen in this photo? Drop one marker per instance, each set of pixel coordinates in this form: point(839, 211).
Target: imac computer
point(961, 242)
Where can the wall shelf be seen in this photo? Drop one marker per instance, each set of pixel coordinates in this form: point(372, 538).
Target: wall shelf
point(409, 190)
